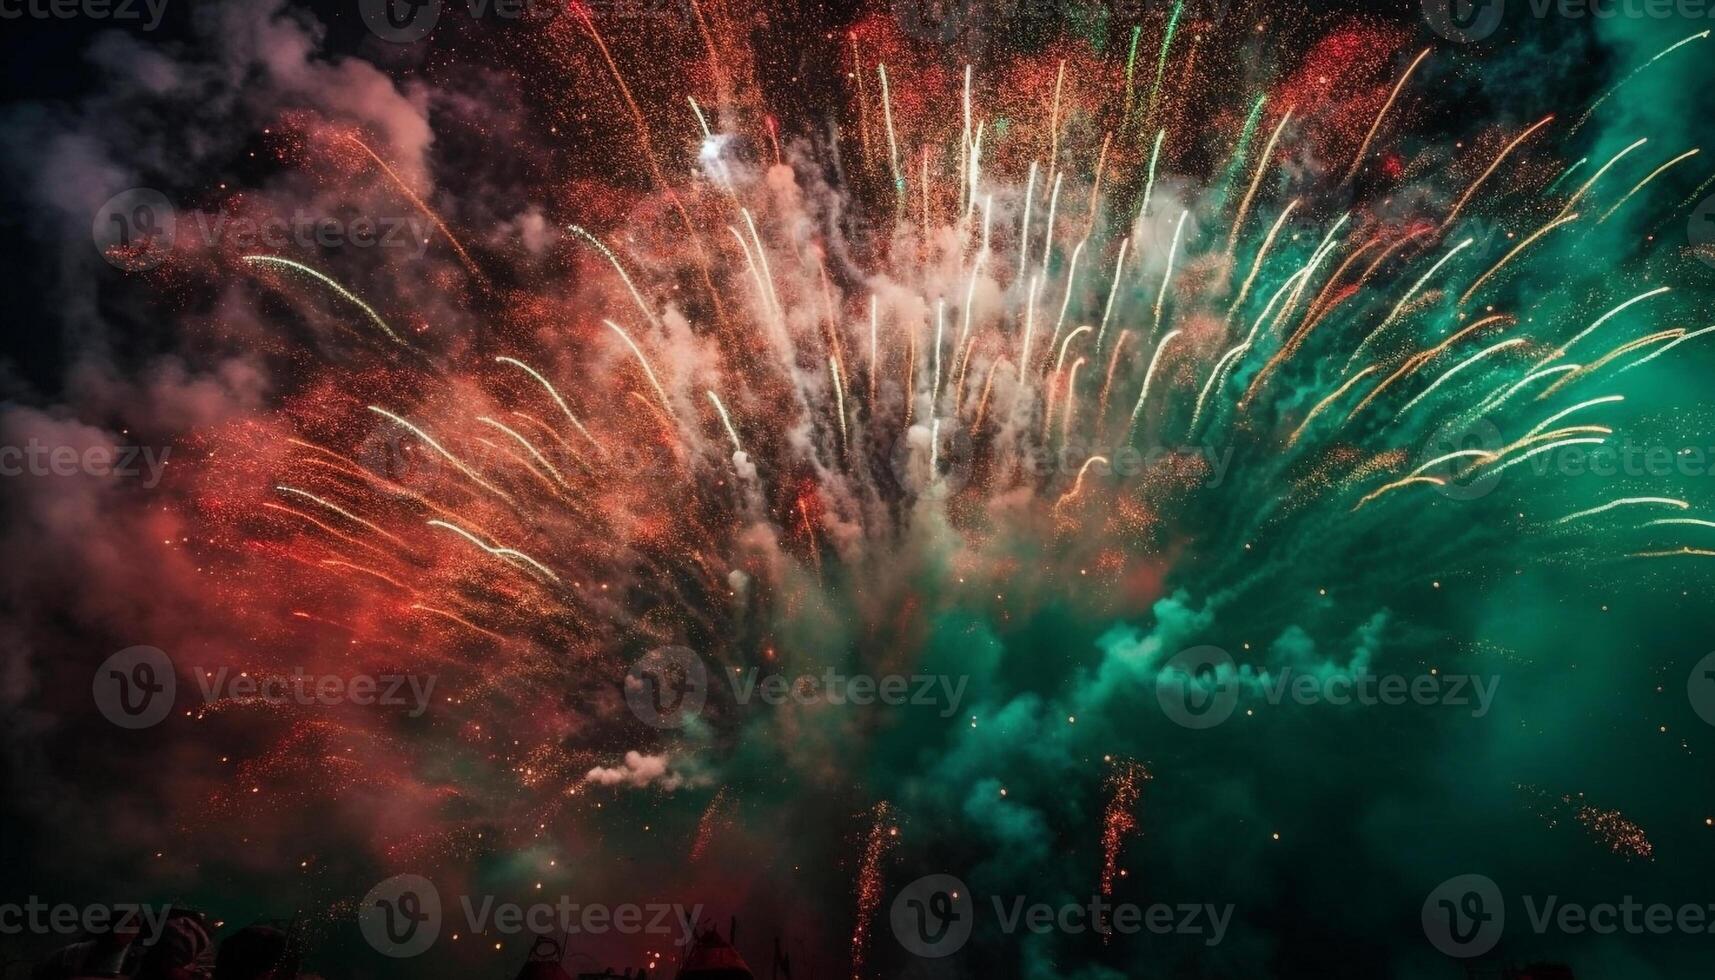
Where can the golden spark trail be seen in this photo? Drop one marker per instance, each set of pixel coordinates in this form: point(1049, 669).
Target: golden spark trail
point(1149, 373)
point(1066, 300)
point(1078, 484)
point(1324, 403)
point(341, 291)
point(1560, 351)
point(534, 452)
point(1048, 232)
point(892, 140)
point(1364, 147)
point(1575, 198)
point(1262, 253)
point(1421, 358)
point(1478, 183)
point(1167, 275)
point(1625, 502)
point(1149, 182)
point(644, 361)
point(1455, 369)
point(552, 392)
point(1262, 165)
point(1635, 73)
point(418, 203)
point(437, 447)
point(1393, 314)
point(1640, 185)
point(495, 550)
point(839, 401)
point(1498, 266)
point(341, 511)
point(1547, 447)
point(1029, 328)
point(1557, 416)
point(1071, 400)
point(1054, 382)
point(1113, 291)
point(604, 250)
point(1665, 348)
point(726, 421)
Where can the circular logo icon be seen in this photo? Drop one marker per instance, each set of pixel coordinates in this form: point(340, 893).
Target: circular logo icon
point(1463, 21)
point(135, 687)
point(933, 916)
point(667, 687)
point(134, 229)
point(1455, 456)
point(401, 917)
point(1700, 688)
point(394, 454)
point(933, 460)
point(1464, 916)
point(1700, 231)
point(400, 21)
point(1197, 688)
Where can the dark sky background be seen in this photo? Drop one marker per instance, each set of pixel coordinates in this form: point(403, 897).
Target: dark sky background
point(1372, 807)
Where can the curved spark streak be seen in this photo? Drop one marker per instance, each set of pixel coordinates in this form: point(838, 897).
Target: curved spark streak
point(552, 391)
point(437, 447)
point(1626, 502)
point(604, 250)
point(1455, 369)
point(495, 550)
point(1149, 373)
point(339, 290)
point(1364, 147)
point(726, 420)
point(644, 361)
